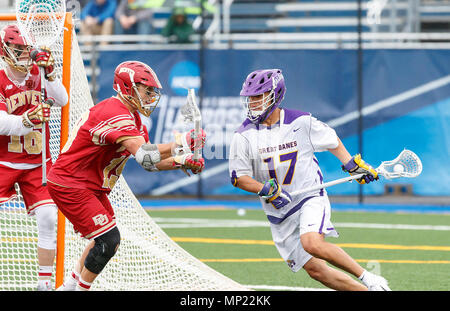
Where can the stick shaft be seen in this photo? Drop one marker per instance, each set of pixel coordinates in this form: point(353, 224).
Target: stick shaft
point(328, 184)
point(197, 132)
point(381, 171)
point(197, 122)
point(44, 132)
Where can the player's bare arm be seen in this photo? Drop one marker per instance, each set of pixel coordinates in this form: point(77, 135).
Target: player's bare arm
point(132, 144)
point(341, 152)
point(271, 191)
point(249, 184)
point(159, 155)
point(182, 140)
point(354, 165)
point(154, 157)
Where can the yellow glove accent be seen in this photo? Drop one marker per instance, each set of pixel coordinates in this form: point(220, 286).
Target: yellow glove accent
point(364, 168)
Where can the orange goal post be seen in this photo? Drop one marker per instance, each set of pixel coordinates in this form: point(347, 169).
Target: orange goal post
point(147, 258)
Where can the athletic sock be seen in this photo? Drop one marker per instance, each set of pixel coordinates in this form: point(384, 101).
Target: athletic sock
point(45, 272)
point(44, 278)
point(83, 285)
point(71, 283)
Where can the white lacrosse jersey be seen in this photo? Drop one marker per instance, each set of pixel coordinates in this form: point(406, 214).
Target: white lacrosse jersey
point(284, 151)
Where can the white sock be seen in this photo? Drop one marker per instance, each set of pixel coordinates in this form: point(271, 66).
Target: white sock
point(45, 272)
point(83, 285)
point(73, 280)
point(44, 277)
point(44, 285)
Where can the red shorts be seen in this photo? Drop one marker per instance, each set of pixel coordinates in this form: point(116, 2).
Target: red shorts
point(90, 212)
point(30, 184)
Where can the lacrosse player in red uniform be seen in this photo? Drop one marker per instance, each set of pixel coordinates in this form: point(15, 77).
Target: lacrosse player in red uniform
point(22, 116)
point(94, 156)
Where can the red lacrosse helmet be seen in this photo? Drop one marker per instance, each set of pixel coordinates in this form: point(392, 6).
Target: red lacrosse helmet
point(17, 56)
point(131, 74)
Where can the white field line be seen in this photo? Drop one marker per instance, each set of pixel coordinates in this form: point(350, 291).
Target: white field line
point(287, 288)
point(392, 226)
point(20, 286)
point(232, 223)
point(385, 103)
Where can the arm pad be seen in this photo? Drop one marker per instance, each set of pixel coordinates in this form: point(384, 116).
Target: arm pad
point(148, 156)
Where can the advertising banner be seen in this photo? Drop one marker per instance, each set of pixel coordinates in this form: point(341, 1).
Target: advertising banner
point(406, 95)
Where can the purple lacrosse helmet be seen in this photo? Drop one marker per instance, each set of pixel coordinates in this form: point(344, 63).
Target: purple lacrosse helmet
point(259, 82)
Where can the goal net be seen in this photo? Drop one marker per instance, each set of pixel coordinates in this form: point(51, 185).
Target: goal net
point(147, 258)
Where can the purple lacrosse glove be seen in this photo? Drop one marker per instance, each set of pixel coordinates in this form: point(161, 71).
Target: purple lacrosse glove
point(278, 197)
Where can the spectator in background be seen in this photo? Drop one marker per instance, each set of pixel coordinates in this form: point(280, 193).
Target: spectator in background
point(178, 29)
point(97, 17)
point(135, 16)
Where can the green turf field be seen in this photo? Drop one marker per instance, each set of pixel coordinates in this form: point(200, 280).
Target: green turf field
point(412, 251)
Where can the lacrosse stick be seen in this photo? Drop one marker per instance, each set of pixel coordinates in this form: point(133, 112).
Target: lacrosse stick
point(406, 164)
point(191, 114)
point(40, 22)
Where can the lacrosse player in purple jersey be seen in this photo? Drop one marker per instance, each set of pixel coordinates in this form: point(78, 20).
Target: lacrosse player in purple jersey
point(272, 154)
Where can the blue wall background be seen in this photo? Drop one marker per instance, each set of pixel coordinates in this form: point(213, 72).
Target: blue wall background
point(322, 82)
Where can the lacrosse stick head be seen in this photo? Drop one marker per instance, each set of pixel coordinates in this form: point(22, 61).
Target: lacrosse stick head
point(191, 113)
point(406, 164)
point(41, 21)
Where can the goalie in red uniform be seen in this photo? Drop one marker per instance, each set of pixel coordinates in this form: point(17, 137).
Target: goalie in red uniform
point(22, 115)
point(93, 159)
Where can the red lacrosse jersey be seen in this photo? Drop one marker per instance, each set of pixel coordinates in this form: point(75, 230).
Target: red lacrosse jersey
point(93, 157)
point(15, 100)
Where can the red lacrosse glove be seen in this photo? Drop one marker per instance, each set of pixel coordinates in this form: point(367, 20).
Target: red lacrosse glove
point(186, 161)
point(188, 142)
point(37, 115)
point(44, 59)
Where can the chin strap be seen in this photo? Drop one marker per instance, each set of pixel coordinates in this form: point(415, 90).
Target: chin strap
point(129, 100)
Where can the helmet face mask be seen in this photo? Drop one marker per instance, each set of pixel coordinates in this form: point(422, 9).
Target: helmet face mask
point(18, 56)
point(146, 98)
point(14, 49)
point(269, 82)
point(257, 107)
point(138, 85)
